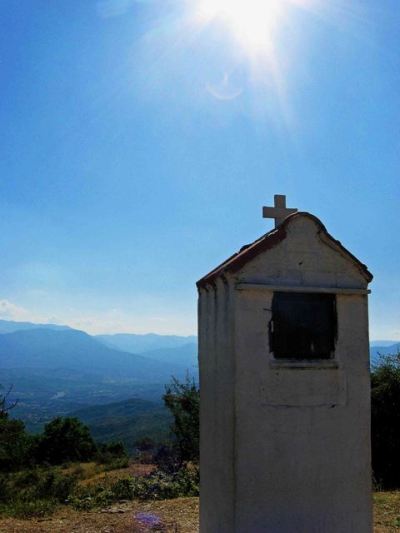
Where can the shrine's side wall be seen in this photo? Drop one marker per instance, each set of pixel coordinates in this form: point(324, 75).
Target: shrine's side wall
point(217, 415)
point(302, 435)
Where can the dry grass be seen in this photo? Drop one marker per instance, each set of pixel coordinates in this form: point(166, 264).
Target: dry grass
point(387, 512)
point(84, 470)
point(95, 474)
point(177, 516)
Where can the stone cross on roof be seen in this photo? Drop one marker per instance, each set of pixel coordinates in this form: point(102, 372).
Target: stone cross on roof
point(279, 212)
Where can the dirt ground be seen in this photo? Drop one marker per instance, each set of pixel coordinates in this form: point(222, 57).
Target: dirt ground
point(167, 516)
point(387, 512)
point(175, 516)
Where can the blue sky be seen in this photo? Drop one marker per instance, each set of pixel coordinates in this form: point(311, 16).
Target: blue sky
point(139, 143)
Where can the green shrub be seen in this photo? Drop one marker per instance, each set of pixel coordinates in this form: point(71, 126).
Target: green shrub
point(41, 483)
point(123, 489)
point(86, 498)
point(122, 462)
point(29, 509)
point(162, 486)
point(65, 440)
point(116, 464)
point(188, 480)
point(157, 486)
point(167, 458)
point(385, 407)
point(4, 488)
point(145, 450)
point(34, 492)
point(82, 502)
point(183, 400)
point(55, 485)
point(14, 444)
point(113, 455)
point(109, 452)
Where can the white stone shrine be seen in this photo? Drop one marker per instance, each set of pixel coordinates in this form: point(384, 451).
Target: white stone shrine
point(285, 387)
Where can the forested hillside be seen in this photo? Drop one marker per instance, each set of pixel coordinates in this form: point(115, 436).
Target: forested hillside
point(128, 421)
point(57, 370)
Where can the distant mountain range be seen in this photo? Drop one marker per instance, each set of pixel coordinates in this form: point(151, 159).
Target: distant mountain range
point(134, 343)
point(383, 343)
point(8, 326)
point(57, 370)
point(170, 349)
point(75, 350)
point(383, 348)
point(185, 355)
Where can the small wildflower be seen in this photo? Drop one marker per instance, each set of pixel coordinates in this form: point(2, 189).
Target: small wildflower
point(148, 519)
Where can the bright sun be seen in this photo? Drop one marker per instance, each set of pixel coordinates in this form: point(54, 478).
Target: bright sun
point(253, 22)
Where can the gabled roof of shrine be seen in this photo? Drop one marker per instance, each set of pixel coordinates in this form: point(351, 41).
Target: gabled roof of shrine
point(271, 239)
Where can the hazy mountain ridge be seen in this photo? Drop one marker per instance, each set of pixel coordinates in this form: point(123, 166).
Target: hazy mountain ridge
point(57, 370)
point(171, 349)
point(130, 356)
point(137, 343)
point(76, 350)
point(377, 350)
point(383, 343)
point(185, 355)
point(9, 326)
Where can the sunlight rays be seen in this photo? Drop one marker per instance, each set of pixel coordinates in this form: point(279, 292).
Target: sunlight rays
point(252, 22)
point(255, 26)
point(245, 54)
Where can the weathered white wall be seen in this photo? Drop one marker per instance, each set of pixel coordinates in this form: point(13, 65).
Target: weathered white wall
point(284, 450)
point(302, 435)
point(304, 258)
point(217, 438)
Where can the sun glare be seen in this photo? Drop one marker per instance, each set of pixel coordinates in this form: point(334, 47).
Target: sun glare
point(261, 30)
point(252, 22)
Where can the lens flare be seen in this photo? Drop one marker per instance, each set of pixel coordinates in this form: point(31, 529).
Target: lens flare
point(252, 22)
point(252, 51)
point(260, 30)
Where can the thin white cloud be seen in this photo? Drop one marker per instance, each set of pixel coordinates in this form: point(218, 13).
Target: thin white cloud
point(17, 313)
point(118, 321)
point(112, 321)
point(10, 311)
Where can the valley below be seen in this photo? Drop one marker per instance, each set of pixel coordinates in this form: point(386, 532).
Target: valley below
point(57, 371)
point(113, 383)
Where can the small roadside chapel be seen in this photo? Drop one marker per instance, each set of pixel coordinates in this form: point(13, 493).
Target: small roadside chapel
point(285, 388)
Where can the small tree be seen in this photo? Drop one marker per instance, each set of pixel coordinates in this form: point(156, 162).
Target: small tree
point(5, 404)
point(14, 444)
point(145, 449)
point(183, 400)
point(64, 440)
point(14, 441)
point(385, 408)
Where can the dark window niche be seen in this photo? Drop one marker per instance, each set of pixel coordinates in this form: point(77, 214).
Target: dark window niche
point(303, 325)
